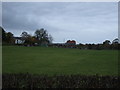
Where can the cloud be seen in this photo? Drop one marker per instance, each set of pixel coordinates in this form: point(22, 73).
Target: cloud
point(85, 22)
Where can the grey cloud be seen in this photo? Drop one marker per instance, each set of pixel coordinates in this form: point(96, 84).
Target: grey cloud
point(84, 22)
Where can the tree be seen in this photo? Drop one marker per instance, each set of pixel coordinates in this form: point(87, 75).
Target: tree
point(3, 34)
point(24, 35)
point(27, 38)
point(106, 42)
point(115, 41)
point(115, 44)
point(42, 36)
point(50, 39)
point(9, 38)
point(33, 40)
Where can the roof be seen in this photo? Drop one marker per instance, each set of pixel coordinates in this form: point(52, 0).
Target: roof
point(18, 37)
point(71, 41)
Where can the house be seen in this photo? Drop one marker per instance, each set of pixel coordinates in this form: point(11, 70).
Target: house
point(71, 43)
point(18, 40)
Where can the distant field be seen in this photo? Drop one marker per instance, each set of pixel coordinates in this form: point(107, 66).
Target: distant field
point(41, 60)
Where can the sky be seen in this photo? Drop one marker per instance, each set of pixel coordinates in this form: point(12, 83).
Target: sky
point(84, 22)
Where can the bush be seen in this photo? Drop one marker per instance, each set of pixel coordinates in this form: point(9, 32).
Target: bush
point(58, 81)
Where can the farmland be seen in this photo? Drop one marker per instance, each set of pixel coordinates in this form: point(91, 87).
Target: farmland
point(59, 61)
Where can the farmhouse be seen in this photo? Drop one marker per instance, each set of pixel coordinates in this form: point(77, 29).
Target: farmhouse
point(18, 40)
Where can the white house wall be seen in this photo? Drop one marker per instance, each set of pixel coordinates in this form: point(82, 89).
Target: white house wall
point(18, 41)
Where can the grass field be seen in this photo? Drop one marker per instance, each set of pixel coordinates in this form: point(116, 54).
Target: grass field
point(41, 60)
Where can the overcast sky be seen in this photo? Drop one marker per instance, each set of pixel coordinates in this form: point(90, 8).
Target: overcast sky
point(85, 22)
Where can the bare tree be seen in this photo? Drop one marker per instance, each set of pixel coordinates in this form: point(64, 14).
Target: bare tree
point(43, 36)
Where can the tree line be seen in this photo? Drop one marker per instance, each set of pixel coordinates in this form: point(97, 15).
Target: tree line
point(41, 37)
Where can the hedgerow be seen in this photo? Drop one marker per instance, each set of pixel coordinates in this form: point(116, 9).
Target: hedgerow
point(58, 81)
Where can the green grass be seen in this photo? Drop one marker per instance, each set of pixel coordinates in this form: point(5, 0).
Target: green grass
point(41, 60)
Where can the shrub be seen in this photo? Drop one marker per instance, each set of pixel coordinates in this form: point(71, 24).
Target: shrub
point(58, 81)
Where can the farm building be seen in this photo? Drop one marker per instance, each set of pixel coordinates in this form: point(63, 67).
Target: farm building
point(18, 40)
point(70, 43)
